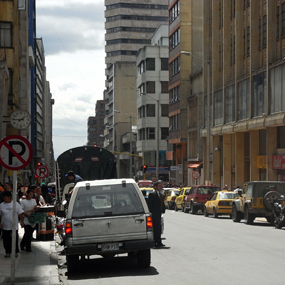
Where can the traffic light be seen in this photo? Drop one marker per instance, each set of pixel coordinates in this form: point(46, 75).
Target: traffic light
point(40, 164)
point(144, 168)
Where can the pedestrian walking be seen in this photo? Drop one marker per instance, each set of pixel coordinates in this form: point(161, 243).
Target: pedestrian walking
point(6, 212)
point(29, 205)
point(157, 208)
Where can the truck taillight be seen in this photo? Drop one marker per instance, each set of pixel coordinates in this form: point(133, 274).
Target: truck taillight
point(149, 224)
point(68, 229)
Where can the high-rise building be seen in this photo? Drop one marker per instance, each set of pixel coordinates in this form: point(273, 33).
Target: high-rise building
point(152, 104)
point(129, 26)
point(185, 84)
point(96, 125)
point(243, 116)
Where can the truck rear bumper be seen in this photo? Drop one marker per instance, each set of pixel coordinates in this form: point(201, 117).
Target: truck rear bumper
point(94, 249)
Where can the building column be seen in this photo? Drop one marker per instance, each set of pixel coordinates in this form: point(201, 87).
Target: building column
point(253, 153)
point(271, 150)
point(239, 159)
point(216, 177)
point(227, 160)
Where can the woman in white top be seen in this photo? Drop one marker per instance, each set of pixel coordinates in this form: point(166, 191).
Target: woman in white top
point(29, 205)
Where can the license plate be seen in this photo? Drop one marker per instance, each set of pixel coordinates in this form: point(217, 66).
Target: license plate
point(110, 246)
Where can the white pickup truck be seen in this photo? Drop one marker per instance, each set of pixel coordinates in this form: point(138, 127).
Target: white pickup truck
point(108, 217)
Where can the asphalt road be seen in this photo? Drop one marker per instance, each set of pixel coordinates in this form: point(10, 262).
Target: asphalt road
point(198, 250)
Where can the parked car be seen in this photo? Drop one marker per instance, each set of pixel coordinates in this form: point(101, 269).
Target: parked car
point(145, 183)
point(108, 217)
point(180, 200)
point(196, 199)
point(220, 203)
point(170, 200)
point(146, 191)
point(256, 200)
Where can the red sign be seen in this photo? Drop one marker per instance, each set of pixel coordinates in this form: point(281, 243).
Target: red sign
point(15, 152)
point(195, 174)
point(278, 161)
point(41, 171)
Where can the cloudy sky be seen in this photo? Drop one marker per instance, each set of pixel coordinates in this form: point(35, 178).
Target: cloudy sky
point(73, 37)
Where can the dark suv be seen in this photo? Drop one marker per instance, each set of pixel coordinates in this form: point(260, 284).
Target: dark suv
point(197, 197)
point(256, 200)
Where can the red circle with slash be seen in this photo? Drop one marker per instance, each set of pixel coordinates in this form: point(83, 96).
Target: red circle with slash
point(15, 152)
point(41, 171)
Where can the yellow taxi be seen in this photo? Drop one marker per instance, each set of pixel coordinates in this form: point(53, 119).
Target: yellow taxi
point(146, 191)
point(172, 193)
point(220, 203)
point(179, 201)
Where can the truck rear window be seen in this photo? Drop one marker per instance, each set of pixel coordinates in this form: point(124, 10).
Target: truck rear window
point(107, 200)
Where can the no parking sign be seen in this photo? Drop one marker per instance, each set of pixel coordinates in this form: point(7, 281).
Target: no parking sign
point(15, 152)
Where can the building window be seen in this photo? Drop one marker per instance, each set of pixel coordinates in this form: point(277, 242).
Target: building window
point(174, 123)
point(218, 107)
point(174, 11)
point(164, 86)
point(150, 133)
point(243, 99)
point(276, 87)
point(150, 87)
point(283, 19)
point(141, 68)
point(141, 89)
point(174, 94)
point(164, 133)
point(264, 39)
point(164, 110)
point(150, 110)
point(174, 39)
point(5, 34)
point(150, 64)
point(259, 89)
point(142, 112)
point(164, 63)
point(230, 104)
point(175, 66)
point(142, 134)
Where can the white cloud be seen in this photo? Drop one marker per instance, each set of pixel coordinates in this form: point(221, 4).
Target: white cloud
point(73, 38)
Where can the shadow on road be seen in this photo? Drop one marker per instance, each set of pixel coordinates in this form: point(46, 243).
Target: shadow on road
point(110, 267)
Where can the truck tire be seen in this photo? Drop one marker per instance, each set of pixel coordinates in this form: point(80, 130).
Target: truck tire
point(215, 213)
point(143, 257)
point(206, 214)
point(193, 209)
point(186, 210)
point(248, 218)
point(175, 207)
point(72, 263)
point(236, 215)
point(269, 198)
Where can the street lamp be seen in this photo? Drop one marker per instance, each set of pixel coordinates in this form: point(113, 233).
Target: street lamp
point(157, 136)
point(131, 141)
point(208, 174)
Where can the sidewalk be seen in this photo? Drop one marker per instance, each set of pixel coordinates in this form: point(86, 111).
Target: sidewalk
point(39, 267)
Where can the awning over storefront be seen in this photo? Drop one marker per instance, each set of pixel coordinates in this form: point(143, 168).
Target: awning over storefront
point(195, 165)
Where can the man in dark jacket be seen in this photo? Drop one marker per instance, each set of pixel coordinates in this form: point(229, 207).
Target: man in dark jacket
point(156, 207)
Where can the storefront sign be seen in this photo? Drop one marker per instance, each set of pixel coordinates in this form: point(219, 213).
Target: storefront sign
point(262, 161)
point(278, 161)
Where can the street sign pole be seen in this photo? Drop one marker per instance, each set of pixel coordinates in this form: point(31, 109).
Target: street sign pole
point(15, 222)
point(15, 154)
